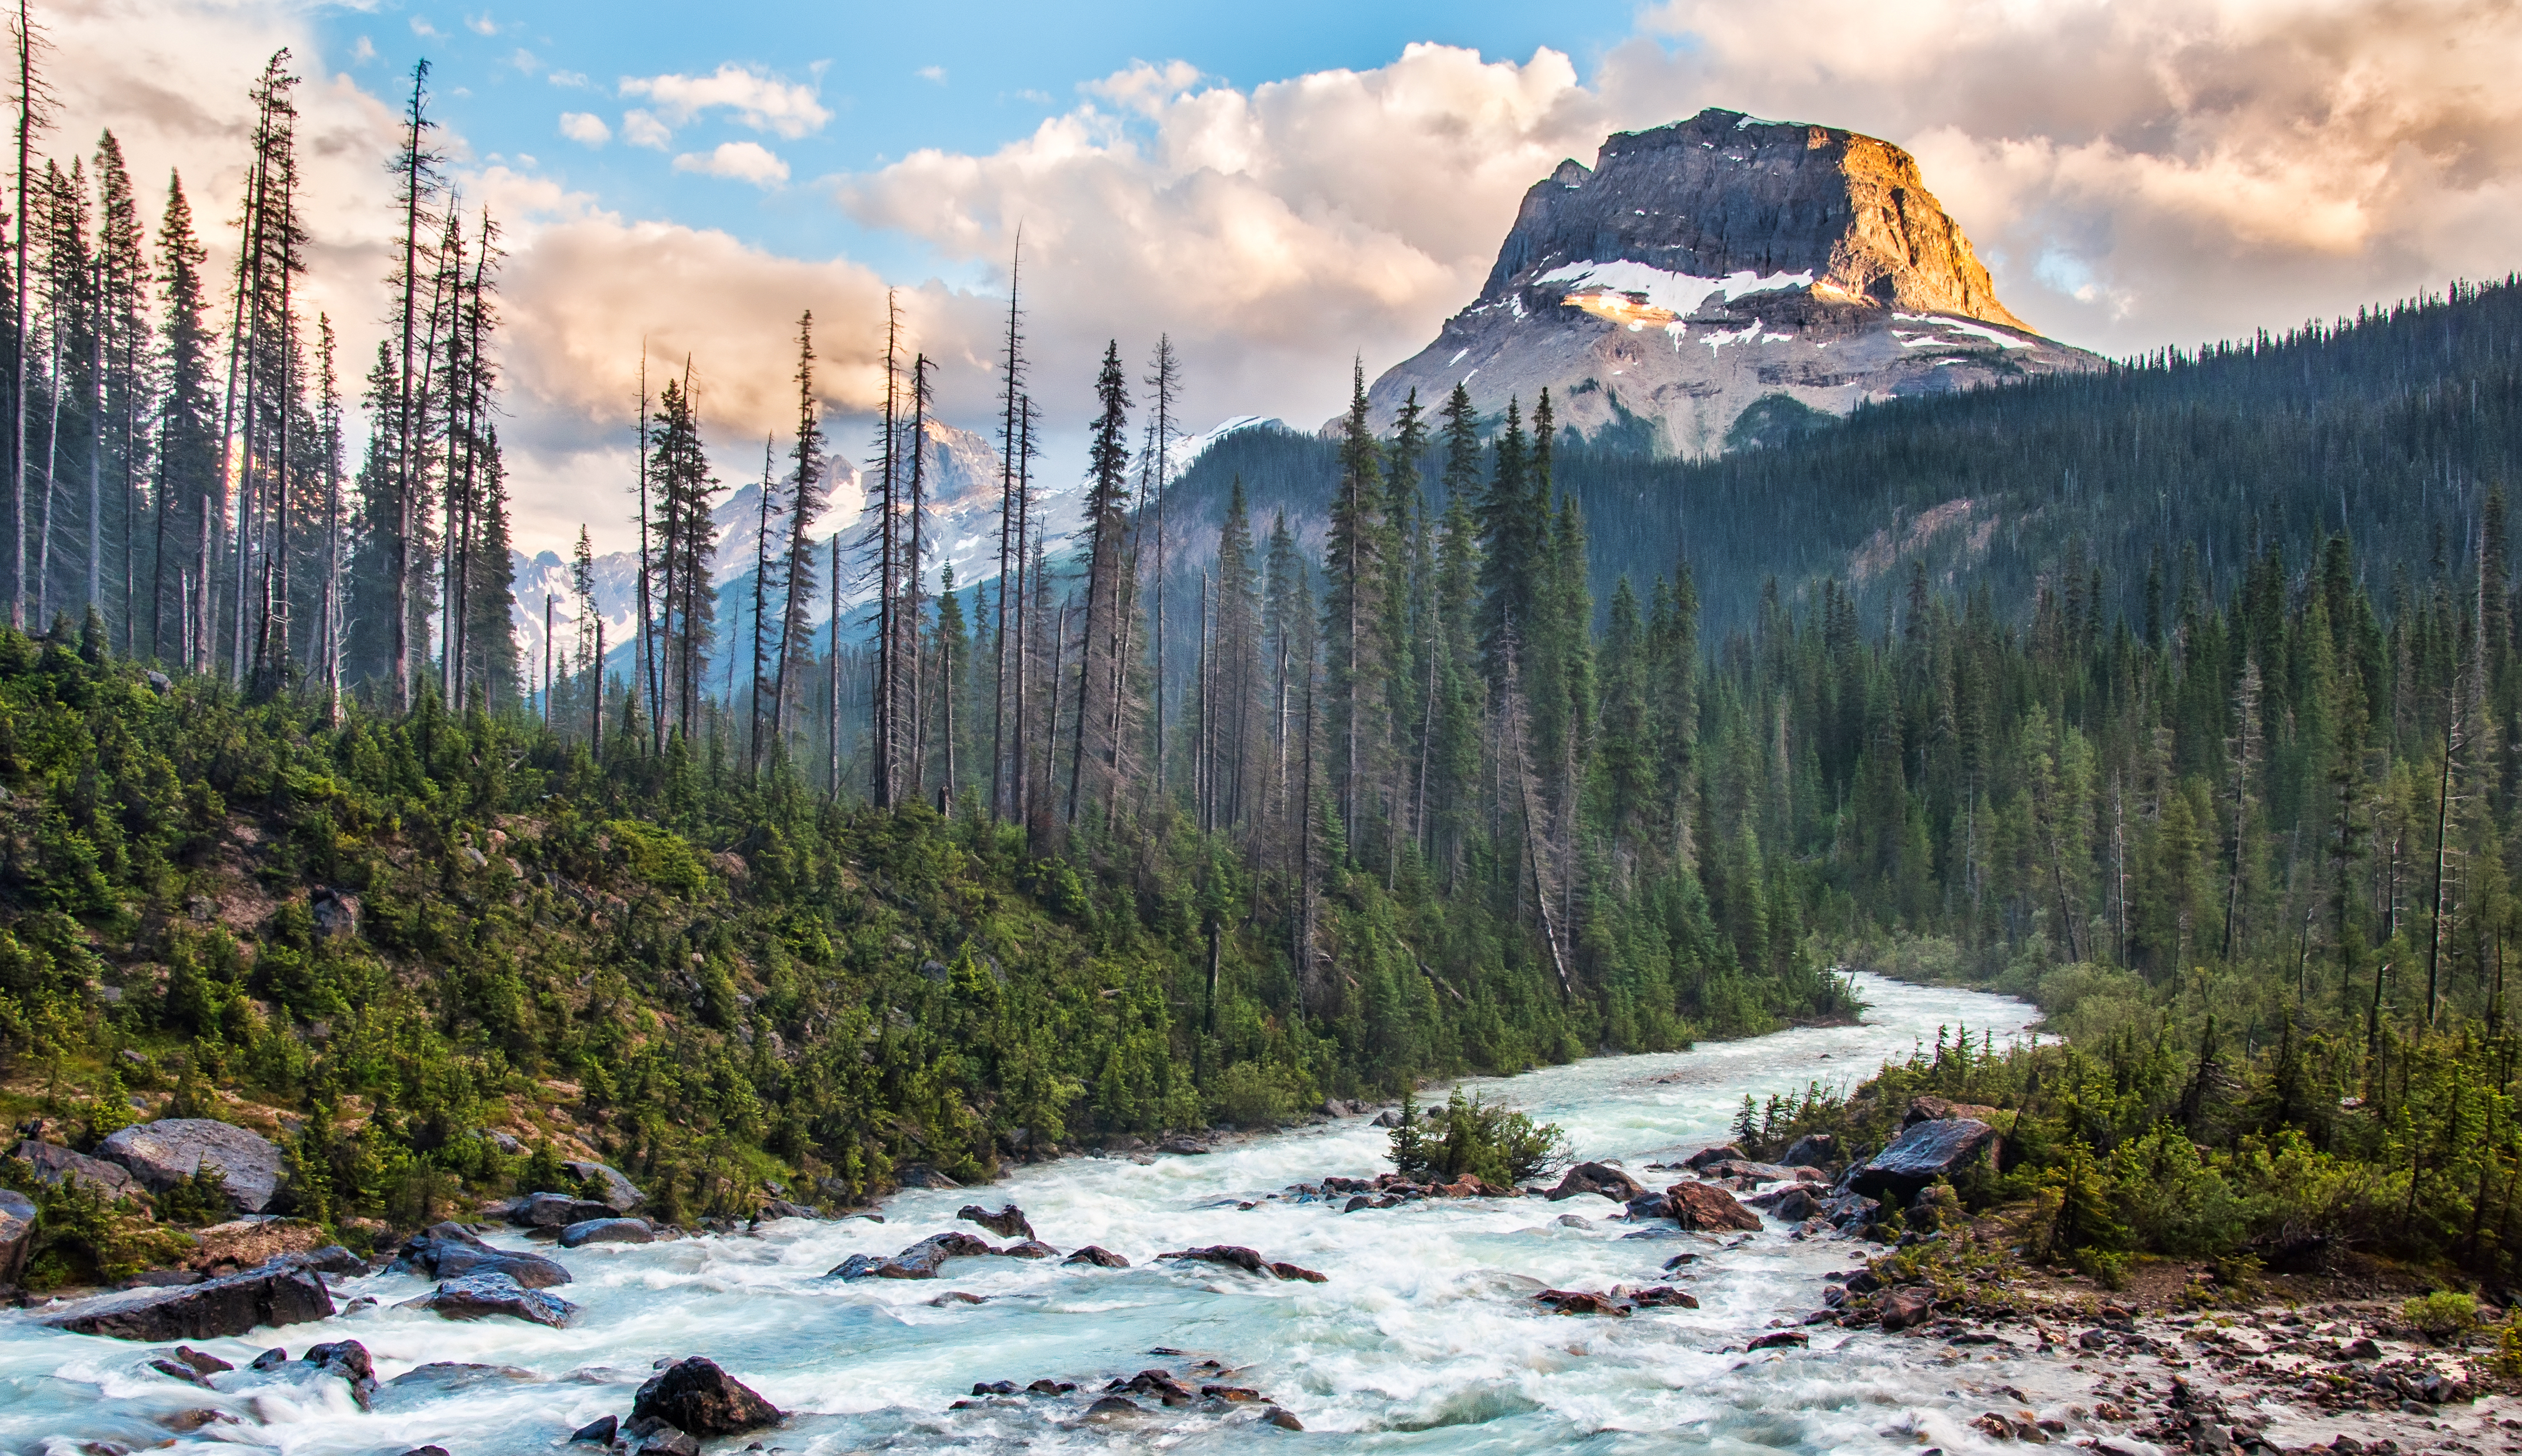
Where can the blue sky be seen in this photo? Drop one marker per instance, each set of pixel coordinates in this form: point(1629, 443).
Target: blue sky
point(1279, 189)
point(963, 77)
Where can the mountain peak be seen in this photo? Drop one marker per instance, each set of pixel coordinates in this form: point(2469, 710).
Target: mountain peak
point(1724, 193)
point(1768, 258)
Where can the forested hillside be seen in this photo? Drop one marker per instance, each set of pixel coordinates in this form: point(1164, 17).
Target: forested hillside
point(2388, 426)
point(1330, 766)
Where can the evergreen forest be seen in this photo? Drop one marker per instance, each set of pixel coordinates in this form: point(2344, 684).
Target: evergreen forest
point(1320, 769)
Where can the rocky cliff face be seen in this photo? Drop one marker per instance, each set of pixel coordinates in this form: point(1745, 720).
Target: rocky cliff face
point(1709, 283)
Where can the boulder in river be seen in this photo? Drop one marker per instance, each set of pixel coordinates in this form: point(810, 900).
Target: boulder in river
point(1794, 1204)
point(1597, 1177)
point(349, 1359)
point(1781, 1340)
point(694, 1395)
point(53, 1162)
point(1183, 1144)
point(1583, 1302)
point(607, 1231)
point(1237, 1256)
point(162, 1154)
point(1720, 1153)
point(1028, 1248)
point(1098, 1256)
point(17, 1234)
point(214, 1308)
point(921, 1260)
point(1903, 1308)
point(1708, 1209)
point(551, 1210)
point(653, 1437)
point(618, 1193)
point(449, 1251)
point(599, 1431)
point(480, 1295)
point(1924, 1151)
point(1008, 1223)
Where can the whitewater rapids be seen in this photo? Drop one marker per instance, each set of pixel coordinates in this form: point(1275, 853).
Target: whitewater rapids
point(1424, 1338)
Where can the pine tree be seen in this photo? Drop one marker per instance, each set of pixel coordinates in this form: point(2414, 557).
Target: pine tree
point(1353, 566)
point(187, 444)
point(806, 500)
point(489, 590)
point(415, 170)
point(1106, 530)
point(123, 251)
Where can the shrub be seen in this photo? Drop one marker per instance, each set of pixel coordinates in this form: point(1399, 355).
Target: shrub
point(2443, 1313)
point(1247, 1096)
point(2103, 1267)
point(1498, 1144)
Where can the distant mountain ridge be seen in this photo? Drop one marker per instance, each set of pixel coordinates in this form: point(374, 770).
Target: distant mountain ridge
point(1703, 268)
point(961, 479)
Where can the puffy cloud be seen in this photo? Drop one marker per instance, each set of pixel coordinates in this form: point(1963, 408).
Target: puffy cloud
point(641, 129)
point(171, 79)
point(585, 293)
point(585, 128)
point(1272, 233)
point(745, 162)
point(758, 99)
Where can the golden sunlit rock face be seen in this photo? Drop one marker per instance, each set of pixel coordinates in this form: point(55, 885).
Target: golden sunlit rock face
point(1621, 307)
point(1700, 268)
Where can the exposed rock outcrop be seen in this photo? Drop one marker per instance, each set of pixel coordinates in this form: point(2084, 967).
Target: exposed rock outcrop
point(1703, 269)
point(616, 1192)
point(162, 1154)
point(1924, 1151)
point(17, 1234)
point(53, 1162)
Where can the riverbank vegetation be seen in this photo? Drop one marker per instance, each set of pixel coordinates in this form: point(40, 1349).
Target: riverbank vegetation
point(2251, 856)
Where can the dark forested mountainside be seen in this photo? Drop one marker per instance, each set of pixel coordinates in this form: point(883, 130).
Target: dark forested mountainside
point(2388, 426)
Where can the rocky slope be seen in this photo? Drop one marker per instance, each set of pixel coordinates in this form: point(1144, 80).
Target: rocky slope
point(1712, 283)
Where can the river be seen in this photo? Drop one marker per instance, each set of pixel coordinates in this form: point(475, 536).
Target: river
point(1424, 1337)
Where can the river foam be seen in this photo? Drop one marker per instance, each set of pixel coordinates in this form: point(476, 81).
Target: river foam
point(1424, 1337)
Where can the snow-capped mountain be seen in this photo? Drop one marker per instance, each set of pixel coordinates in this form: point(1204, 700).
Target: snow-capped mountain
point(1702, 269)
point(960, 476)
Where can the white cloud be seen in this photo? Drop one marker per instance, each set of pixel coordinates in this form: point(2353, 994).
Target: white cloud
point(423, 28)
point(576, 79)
point(758, 99)
point(481, 25)
point(524, 61)
point(1272, 233)
point(641, 129)
point(1144, 88)
point(744, 162)
point(585, 128)
point(935, 74)
point(363, 51)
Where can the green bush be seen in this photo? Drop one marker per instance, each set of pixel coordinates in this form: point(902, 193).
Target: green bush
point(1247, 1095)
point(1498, 1144)
point(2443, 1313)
